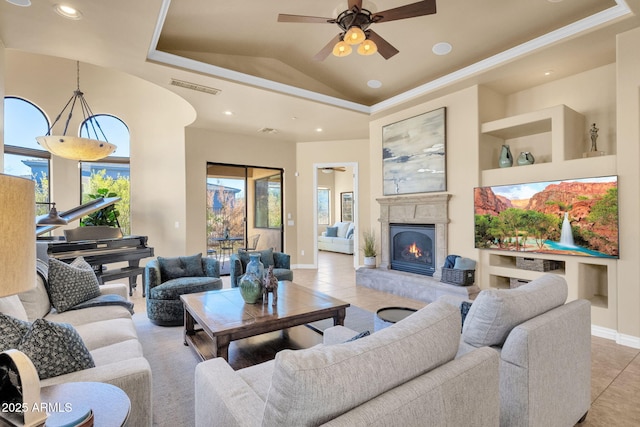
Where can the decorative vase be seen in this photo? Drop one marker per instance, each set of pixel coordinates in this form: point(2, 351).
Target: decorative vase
point(526, 158)
point(506, 159)
point(251, 282)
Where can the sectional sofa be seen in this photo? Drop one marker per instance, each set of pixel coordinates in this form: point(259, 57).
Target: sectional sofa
point(109, 334)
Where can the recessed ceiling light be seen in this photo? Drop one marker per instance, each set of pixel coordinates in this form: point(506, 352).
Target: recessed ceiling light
point(23, 3)
point(441, 48)
point(67, 11)
point(374, 84)
point(548, 72)
point(554, 1)
point(318, 129)
point(228, 113)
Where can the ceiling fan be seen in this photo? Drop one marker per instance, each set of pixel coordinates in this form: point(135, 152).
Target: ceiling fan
point(331, 169)
point(354, 25)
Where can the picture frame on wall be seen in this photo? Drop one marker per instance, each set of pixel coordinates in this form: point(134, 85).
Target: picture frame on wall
point(414, 154)
point(346, 206)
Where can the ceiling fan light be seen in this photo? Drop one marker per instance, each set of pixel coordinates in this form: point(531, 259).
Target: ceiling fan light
point(342, 49)
point(368, 47)
point(354, 35)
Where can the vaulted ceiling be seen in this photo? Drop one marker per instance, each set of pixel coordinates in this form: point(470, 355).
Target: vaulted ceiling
point(265, 69)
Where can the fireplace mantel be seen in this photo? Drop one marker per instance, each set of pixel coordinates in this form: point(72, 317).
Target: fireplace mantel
point(414, 209)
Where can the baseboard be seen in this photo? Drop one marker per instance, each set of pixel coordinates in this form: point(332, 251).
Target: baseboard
point(613, 335)
point(303, 266)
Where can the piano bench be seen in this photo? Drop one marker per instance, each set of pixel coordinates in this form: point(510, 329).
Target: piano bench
point(119, 273)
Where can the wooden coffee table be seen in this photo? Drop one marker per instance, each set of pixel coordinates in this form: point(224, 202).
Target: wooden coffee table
point(223, 316)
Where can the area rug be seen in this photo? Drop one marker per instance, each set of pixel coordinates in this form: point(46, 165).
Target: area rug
point(173, 364)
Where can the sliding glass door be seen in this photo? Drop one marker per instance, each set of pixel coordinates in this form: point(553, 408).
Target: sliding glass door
point(244, 208)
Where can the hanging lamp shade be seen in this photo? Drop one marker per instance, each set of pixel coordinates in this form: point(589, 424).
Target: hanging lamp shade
point(53, 217)
point(75, 147)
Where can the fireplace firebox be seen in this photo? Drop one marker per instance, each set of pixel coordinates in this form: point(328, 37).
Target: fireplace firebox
point(412, 248)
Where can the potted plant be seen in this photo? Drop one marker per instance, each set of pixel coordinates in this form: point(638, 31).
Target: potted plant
point(369, 249)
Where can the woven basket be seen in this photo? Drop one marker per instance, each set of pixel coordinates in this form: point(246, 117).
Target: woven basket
point(515, 282)
point(458, 277)
point(536, 264)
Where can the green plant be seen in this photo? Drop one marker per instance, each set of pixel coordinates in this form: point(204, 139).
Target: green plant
point(107, 216)
point(369, 247)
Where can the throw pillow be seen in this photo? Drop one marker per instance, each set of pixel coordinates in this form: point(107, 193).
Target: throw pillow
point(349, 234)
point(11, 331)
point(71, 284)
point(184, 266)
point(332, 232)
point(55, 349)
point(464, 310)
point(360, 335)
point(266, 257)
point(464, 264)
point(450, 261)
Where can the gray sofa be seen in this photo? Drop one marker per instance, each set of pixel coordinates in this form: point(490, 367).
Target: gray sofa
point(342, 242)
point(544, 346)
point(403, 375)
point(110, 336)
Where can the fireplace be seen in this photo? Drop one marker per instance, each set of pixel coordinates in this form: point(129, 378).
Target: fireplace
point(415, 211)
point(412, 248)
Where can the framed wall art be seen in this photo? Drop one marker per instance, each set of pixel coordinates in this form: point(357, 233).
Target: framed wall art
point(346, 206)
point(414, 155)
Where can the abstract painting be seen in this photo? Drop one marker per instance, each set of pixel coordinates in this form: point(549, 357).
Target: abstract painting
point(413, 154)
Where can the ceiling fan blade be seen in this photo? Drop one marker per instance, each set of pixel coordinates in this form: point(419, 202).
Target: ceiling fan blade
point(283, 17)
point(356, 3)
point(322, 55)
point(425, 7)
point(384, 47)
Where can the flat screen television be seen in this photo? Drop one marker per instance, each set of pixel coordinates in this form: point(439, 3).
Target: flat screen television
point(568, 217)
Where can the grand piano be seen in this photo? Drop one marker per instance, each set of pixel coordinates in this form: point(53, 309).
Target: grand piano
point(97, 245)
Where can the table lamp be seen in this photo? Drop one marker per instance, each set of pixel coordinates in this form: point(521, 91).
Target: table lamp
point(18, 274)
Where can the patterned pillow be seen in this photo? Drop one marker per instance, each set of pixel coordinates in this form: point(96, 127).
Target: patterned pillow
point(184, 266)
point(11, 331)
point(55, 349)
point(71, 284)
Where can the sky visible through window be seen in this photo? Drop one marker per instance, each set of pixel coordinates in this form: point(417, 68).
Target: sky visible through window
point(23, 122)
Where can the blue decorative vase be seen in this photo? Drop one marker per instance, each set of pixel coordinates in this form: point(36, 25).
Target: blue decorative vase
point(506, 159)
point(251, 282)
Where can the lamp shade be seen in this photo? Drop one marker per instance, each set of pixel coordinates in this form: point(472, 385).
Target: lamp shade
point(342, 49)
point(354, 35)
point(76, 148)
point(368, 47)
point(17, 235)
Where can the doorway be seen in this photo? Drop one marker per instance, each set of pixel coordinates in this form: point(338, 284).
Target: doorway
point(244, 209)
point(336, 200)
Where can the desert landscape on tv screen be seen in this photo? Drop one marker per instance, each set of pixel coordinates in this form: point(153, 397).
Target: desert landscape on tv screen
point(569, 217)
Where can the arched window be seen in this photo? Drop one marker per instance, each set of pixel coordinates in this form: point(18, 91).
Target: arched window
point(111, 174)
point(23, 156)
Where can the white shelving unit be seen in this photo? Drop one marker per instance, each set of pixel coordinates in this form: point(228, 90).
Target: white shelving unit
point(557, 137)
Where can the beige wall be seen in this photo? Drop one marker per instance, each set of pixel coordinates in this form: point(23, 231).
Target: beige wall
point(209, 146)
point(628, 133)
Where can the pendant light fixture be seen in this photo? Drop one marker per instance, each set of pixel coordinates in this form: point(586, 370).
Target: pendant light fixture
point(52, 218)
point(74, 147)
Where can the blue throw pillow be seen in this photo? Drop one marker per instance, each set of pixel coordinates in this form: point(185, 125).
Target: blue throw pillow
point(349, 233)
point(184, 266)
point(464, 264)
point(465, 306)
point(450, 261)
point(332, 232)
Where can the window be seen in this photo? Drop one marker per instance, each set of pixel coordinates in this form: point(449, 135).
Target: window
point(268, 197)
point(109, 176)
point(324, 206)
point(23, 156)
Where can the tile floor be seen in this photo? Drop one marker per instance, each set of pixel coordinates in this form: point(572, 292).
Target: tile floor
point(615, 382)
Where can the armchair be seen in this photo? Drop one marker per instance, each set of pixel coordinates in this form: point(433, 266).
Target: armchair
point(168, 278)
point(281, 264)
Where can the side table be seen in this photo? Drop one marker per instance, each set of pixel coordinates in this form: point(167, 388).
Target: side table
point(110, 405)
